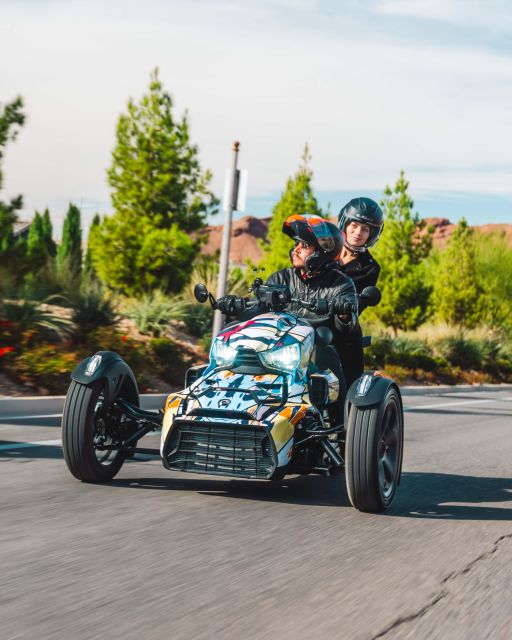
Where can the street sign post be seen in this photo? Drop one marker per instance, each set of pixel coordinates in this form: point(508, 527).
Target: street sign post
point(234, 200)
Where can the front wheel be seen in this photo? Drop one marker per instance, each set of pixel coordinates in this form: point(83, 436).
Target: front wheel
point(88, 434)
point(373, 453)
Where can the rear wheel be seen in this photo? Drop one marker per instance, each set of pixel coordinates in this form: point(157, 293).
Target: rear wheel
point(90, 434)
point(373, 453)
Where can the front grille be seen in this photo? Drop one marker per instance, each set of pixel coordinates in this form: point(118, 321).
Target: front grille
point(220, 449)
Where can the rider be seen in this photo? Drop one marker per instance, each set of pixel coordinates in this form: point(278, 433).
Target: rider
point(361, 221)
point(314, 275)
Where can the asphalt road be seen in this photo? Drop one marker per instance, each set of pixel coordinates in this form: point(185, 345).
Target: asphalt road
point(160, 555)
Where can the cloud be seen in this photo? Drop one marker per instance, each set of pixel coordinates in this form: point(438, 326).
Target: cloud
point(374, 87)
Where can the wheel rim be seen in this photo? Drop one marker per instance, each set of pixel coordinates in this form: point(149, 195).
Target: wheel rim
point(101, 436)
point(389, 450)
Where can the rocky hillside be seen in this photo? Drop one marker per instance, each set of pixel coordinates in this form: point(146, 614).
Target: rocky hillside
point(247, 232)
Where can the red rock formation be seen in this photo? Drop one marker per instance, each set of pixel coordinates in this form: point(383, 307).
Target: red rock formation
point(247, 231)
point(245, 234)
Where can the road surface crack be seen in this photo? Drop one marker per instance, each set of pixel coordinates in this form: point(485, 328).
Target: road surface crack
point(444, 590)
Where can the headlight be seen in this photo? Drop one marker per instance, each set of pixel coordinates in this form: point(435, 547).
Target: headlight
point(222, 353)
point(285, 359)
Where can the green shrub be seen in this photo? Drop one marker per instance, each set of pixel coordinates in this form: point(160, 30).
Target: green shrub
point(413, 354)
point(135, 354)
point(199, 319)
point(154, 311)
point(461, 352)
point(376, 354)
point(206, 342)
point(404, 352)
point(28, 316)
point(44, 366)
point(92, 309)
point(169, 361)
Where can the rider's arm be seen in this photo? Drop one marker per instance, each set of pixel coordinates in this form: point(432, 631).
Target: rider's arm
point(346, 300)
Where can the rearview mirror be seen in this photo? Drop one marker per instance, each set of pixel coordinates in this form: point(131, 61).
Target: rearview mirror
point(371, 296)
point(201, 293)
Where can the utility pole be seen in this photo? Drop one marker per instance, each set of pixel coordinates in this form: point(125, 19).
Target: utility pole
point(230, 206)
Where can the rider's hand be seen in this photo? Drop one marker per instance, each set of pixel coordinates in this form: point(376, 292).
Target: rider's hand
point(230, 305)
point(341, 307)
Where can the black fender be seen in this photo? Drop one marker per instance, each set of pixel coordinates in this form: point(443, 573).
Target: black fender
point(110, 367)
point(369, 390)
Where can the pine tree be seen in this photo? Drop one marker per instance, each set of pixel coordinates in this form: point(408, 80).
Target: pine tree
point(11, 119)
point(297, 198)
point(160, 195)
point(495, 276)
point(51, 247)
point(456, 297)
point(404, 243)
point(69, 252)
point(88, 268)
point(36, 243)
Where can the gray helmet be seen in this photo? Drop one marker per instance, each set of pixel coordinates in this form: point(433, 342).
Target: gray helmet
point(365, 211)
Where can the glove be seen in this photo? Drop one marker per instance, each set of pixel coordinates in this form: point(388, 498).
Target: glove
point(319, 306)
point(230, 305)
point(340, 306)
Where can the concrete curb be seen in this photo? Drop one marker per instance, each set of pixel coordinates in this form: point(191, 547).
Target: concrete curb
point(52, 405)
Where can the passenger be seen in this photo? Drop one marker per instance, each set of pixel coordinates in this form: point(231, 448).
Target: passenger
point(361, 222)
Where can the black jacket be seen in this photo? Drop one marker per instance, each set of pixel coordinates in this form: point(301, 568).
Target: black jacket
point(363, 270)
point(331, 283)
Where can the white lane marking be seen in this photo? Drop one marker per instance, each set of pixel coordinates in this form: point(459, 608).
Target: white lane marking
point(26, 445)
point(24, 417)
point(446, 404)
point(43, 443)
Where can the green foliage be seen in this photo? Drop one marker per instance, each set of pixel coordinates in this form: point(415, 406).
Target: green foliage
point(43, 366)
point(297, 198)
point(69, 252)
point(403, 245)
point(92, 308)
point(442, 354)
point(206, 342)
point(28, 316)
point(88, 271)
point(461, 352)
point(457, 291)
point(199, 317)
point(494, 265)
point(169, 361)
point(153, 312)
point(160, 195)
point(36, 243)
point(47, 232)
point(403, 351)
point(12, 252)
point(40, 284)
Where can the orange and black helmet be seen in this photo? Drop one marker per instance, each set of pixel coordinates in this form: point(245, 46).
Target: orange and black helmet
point(323, 235)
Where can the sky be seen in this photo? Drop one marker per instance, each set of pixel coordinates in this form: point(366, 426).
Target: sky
point(373, 87)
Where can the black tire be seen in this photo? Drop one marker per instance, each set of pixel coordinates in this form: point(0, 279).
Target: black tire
point(79, 429)
point(373, 453)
